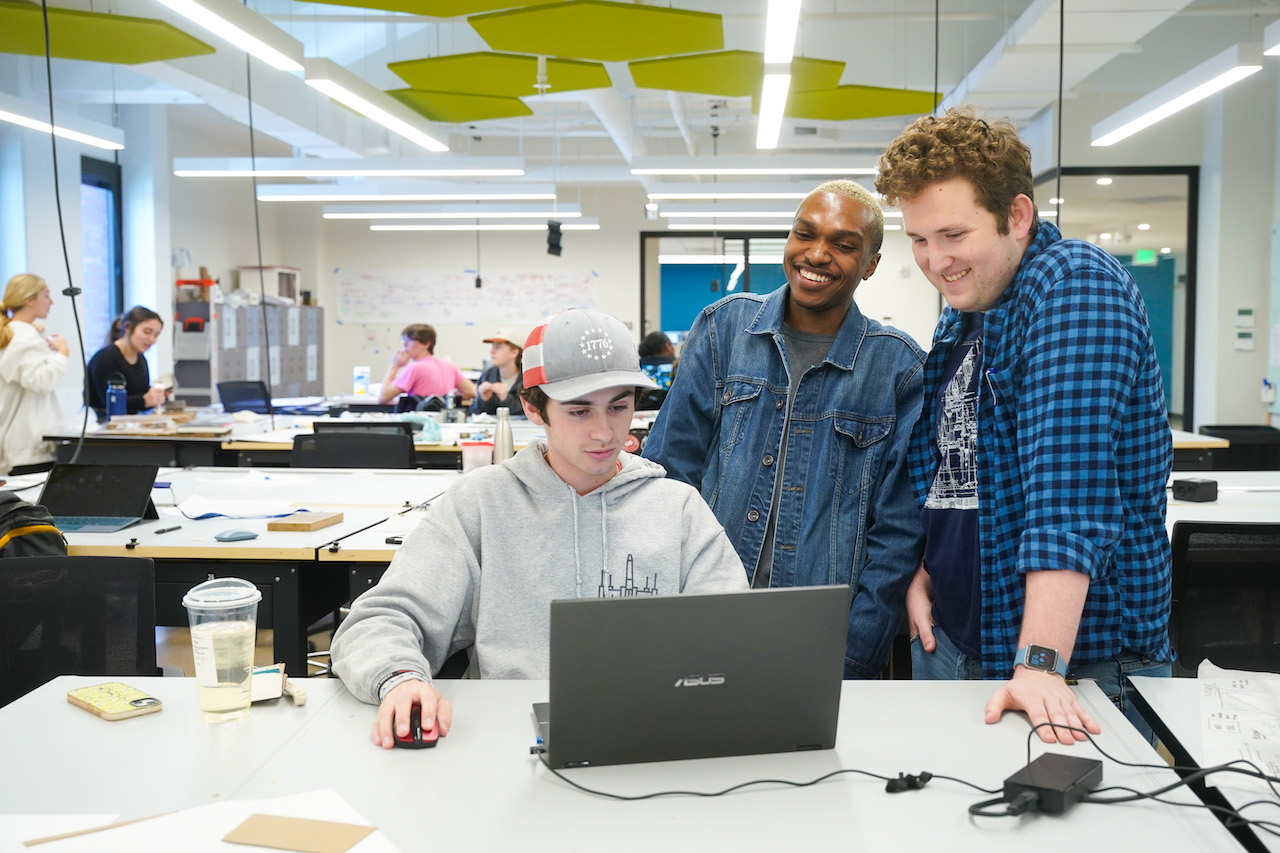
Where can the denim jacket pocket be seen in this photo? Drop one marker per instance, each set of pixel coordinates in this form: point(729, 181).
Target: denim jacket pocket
point(858, 449)
point(736, 403)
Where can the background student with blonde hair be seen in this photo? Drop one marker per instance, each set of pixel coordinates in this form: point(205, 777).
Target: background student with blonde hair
point(30, 367)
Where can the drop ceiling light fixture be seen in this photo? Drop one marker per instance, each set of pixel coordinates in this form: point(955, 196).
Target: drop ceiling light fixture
point(728, 192)
point(750, 166)
point(585, 225)
point(368, 100)
point(1212, 75)
point(773, 100)
point(244, 28)
point(315, 167)
point(25, 114)
point(405, 191)
point(735, 226)
point(781, 21)
point(453, 211)
point(717, 259)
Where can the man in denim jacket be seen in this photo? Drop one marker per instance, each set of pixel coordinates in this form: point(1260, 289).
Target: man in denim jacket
point(791, 413)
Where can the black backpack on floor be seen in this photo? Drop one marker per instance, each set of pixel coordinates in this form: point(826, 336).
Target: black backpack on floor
point(27, 529)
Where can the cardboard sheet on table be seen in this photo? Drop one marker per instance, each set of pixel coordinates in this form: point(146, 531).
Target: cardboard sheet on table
point(298, 833)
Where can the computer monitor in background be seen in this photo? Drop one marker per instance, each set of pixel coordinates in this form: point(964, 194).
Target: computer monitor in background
point(659, 370)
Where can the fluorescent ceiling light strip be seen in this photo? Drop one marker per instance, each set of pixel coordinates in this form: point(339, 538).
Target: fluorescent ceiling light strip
point(58, 130)
point(510, 226)
point(707, 226)
point(232, 22)
point(1200, 82)
point(715, 194)
point(780, 23)
point(755, 171)
point(773, 100)
point(728, 214)
point(472, 196)
point(348, 173)
point(1271, 39)
point(492, 214)
point(346, 88)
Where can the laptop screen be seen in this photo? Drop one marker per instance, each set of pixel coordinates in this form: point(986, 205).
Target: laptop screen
point(659, 373)
point(98, 490)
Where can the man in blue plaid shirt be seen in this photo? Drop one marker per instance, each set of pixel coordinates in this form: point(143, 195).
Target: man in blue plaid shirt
point(1042, 454)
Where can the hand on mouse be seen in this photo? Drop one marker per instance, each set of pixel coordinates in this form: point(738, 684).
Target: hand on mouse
point(393, 713)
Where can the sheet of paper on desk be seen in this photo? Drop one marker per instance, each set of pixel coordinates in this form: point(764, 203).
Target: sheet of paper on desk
point(201, 829)
point(1240, 717)
point(17, 828)
point(196, 507)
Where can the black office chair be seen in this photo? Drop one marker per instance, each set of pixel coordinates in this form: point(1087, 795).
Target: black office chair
point(74, 616)
point(244, 396)
point(381, 427)
point(1226, 595)
point(414, 403)
point(353, 450)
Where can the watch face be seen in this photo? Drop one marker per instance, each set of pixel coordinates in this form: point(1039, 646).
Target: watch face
point(1038, 657)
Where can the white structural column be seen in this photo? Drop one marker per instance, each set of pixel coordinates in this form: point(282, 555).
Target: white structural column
point(145, 167)
point(1237, 169)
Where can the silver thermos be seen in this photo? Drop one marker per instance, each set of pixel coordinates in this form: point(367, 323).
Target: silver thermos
point(502, 445)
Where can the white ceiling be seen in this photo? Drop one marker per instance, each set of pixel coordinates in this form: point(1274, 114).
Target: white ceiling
point(999, 54)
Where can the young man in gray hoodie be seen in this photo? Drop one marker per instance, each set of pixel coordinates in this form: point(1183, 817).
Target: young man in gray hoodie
point(569, 517)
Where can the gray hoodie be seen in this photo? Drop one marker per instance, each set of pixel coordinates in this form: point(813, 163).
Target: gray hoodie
point(482, 567)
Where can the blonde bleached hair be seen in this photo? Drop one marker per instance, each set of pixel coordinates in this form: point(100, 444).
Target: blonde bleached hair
point(20, 290)
point(860, 194)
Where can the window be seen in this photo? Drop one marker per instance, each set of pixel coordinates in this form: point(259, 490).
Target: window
point(102, 278)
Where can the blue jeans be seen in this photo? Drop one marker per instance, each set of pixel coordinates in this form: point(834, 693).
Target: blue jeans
point(948, 663)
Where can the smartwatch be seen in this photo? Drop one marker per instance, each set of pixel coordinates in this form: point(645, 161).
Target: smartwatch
point(1041, 658)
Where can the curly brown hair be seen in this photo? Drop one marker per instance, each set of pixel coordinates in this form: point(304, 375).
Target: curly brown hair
point(959, 144)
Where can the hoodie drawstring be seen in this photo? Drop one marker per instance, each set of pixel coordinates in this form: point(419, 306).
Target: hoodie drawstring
point(577, 557)
point(604, 540)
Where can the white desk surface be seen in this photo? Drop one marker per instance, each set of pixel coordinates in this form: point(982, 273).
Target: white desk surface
point(1176, 701)
point(481, 790)
point(370, 545)
point(1242, 496)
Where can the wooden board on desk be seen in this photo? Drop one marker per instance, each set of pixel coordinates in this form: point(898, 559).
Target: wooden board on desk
point(305, 521)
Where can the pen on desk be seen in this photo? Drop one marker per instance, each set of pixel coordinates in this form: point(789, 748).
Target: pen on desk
point(168, 529)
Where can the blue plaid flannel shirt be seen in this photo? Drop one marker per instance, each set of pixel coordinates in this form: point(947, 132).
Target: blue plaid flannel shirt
point(1074, 451)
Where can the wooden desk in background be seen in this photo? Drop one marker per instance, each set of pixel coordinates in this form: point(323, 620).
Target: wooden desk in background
point(297, 588)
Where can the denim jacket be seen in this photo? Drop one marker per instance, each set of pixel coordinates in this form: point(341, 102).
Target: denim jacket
point(846, 514)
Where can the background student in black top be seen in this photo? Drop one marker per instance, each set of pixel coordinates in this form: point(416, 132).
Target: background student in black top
point(132, 334)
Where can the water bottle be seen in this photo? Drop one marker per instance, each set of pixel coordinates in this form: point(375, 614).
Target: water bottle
point(117, 396)
point(502, 447)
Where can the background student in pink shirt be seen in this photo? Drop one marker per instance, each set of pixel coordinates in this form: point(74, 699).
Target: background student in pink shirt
point(415, 370)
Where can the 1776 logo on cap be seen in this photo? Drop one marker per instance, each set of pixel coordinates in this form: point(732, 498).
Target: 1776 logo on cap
point(595, 344)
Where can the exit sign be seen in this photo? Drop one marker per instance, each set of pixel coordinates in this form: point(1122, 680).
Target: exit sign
point(1144, 258)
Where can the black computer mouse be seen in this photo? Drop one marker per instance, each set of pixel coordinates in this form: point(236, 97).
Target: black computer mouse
point(417, 738)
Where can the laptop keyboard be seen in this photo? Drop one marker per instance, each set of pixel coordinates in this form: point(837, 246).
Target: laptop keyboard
point(94, 523)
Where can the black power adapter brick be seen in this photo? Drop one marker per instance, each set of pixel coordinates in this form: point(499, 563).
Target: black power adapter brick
point(1057, 781)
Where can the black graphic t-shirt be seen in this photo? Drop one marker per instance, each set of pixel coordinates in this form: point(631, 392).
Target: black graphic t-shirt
point(951, 510)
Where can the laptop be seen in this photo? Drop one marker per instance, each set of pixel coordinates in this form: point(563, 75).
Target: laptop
point(660, 678)
point(659, 371)
point(99, 498)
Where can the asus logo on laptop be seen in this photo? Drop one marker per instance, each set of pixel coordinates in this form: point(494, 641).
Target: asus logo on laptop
point(700, 681)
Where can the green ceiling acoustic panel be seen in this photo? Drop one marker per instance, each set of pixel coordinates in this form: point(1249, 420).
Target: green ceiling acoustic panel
point(438, 8)
point(729, 73)
point(92, 36)
point(454, 107)
point(810, 74)
point(499, 74)
point(596, 29)
point(845, 103)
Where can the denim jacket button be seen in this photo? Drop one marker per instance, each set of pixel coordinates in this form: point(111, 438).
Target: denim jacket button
point(753, 516)
point(768, 460)
point(778, 404)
